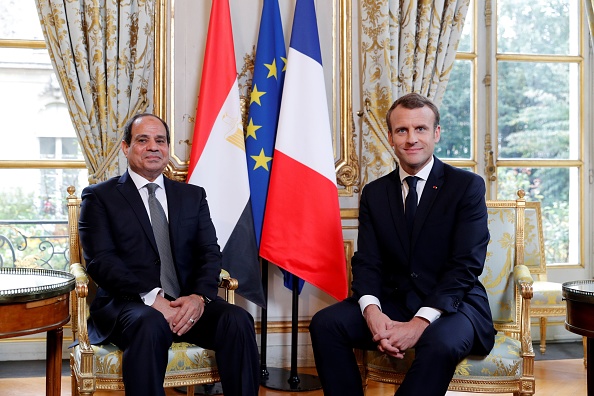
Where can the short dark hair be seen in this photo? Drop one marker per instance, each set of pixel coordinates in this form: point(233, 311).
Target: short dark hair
point(128, 127)
point(413, 101)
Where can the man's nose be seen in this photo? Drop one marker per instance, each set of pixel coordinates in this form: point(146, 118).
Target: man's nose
point(152, 145)
point(412, 137)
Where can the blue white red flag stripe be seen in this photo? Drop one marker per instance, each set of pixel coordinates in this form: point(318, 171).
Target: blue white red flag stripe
point(302, 230)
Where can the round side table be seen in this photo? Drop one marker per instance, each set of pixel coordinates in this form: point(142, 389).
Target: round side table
point(35, 301)
point(579, 319)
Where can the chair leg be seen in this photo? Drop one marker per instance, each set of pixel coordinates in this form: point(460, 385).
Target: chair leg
point(73, 382)
point(190, 390)
point(543, 334)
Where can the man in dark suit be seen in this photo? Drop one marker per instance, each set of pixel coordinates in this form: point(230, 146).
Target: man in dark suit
point(414, 284)
point(135, 307)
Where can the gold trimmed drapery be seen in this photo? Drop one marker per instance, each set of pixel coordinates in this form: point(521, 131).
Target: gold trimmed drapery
point(589, 4)
point(407, 46)
point(102, 52)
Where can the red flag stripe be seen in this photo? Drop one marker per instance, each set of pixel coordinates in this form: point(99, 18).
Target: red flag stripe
point(311, 248)
point(218, 76)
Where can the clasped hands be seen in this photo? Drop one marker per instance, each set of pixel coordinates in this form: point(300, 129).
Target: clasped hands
point(182, 313)
point(392, 337)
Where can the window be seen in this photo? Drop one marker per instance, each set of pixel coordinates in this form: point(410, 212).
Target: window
point(540, 69)
point(514, 110)
point(458, 140)
point(39, 151)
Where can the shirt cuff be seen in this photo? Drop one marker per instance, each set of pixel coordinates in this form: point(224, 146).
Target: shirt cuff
point(368, 299)
point(431, 314)
point(150, 297)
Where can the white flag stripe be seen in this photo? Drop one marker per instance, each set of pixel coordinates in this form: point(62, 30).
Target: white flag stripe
point(221, 169)
point(301, 139)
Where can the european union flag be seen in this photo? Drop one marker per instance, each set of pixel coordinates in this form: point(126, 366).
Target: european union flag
point(265, 99)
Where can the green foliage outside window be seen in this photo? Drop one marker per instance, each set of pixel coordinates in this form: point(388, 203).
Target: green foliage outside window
point(24, 240)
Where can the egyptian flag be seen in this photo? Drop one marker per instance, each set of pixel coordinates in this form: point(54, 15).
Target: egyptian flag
point(217, 159)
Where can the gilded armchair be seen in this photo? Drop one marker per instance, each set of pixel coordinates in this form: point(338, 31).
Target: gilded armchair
point(509, 367)
point(547, 301)
point(99, 367)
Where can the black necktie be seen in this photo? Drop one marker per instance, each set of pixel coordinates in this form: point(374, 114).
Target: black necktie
point(410, 204)
point(161, 230)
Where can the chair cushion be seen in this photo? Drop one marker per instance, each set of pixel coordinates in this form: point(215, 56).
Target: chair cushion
point(504, 362)
point(183, 358)
point(547, 293)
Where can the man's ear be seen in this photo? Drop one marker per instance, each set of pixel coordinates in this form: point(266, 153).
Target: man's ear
point(125, 148)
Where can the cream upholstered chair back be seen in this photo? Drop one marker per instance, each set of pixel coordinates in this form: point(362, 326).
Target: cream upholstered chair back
point(534, 249)
point(509, 366)
point(499, 263)
point(99, 367)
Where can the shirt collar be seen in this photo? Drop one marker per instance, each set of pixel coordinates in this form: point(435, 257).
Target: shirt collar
point(423, 174)
point(140, 181)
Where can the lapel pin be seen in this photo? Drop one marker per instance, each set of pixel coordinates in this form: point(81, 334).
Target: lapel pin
point(435, 187)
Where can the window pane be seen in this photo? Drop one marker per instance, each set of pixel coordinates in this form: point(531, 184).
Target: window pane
point(466, 39)
point(538, 26)
point(455, 112)
point(557, 189)
point(33, 194)
point(70, 149)
point(537, 107)
point(47, 148)
point(31, 104)
point(19, 20)
point(33, 214)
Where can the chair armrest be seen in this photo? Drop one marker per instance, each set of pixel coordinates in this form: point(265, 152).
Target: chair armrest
point(229, 284)
point(79, 305)
point(523, 280)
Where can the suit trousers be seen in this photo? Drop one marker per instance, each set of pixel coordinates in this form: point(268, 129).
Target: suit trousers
point(144, 337)
point(337, 329)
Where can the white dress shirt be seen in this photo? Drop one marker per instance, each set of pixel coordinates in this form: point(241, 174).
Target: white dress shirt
point(428, 313)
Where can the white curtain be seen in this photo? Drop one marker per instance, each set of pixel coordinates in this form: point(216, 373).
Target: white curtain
point(102, 52)
point(407, 46)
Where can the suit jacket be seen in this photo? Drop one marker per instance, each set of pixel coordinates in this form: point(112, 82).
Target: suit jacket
point(121, 252)
point(438, 265)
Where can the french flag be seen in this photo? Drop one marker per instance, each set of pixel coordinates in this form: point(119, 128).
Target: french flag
point(217, 159)
point(302, 231)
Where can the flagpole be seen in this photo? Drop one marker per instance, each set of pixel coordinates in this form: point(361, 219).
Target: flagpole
point(282, 379)
point(264, 324)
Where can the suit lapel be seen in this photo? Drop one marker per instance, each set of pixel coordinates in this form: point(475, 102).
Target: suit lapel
point(432, 188)
point(128, 189)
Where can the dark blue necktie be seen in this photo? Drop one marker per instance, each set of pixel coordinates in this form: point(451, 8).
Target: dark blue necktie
point(410, 204)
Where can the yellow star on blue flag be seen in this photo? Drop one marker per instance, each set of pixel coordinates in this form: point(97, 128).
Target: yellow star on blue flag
point(265, 99)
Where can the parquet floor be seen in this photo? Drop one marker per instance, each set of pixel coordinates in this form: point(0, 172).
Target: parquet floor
point(553, 378)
